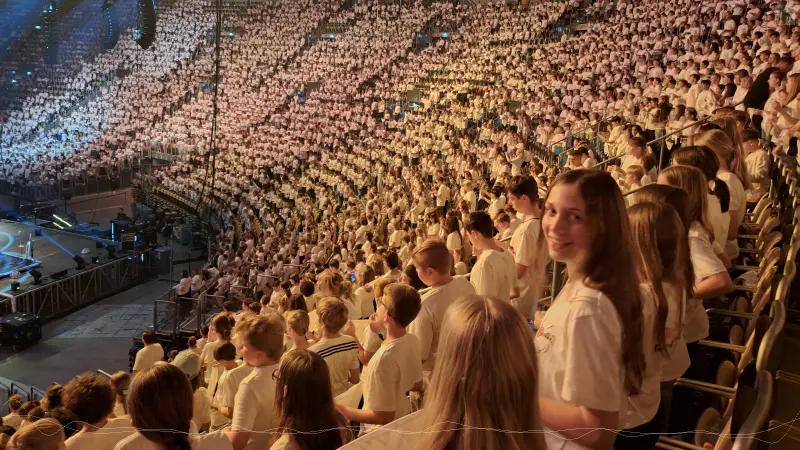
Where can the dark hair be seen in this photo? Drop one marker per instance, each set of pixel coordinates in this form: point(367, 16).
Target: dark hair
point(66, 419)
point(160, 405)
point(185, 274)
point(297, 302)
point(411, 272)
point(148, 337)
point(481, 222)
point(204, 330)
point(307, 288)
point(392, 260)
point(225, 352)
point(524, 185)
point(90, 397)
point(307, 411)
point(53, 396)
point(750, 135)
point(704, 159)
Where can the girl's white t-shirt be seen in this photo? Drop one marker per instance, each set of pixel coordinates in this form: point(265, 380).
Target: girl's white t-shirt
point(705, 263)
point(211, 441)
point(579, 347)
point(363, 302)
point(643, 406)
point(674, 364)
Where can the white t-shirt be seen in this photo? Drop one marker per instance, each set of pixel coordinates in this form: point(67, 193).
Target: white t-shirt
point(105, 438)
point(254, 408)
point(442, 195)
point(212, 441)
point(363, 302)
point(227, 387)
point(428, 323)
point(201, 408)
point(736, 209)
point(341, 355)
point(392, 371)
point(494, 274)
point(524, 245)
point(579, 347)
point(148, 356)
point(705, 264)
point(674, 365)
point(643, 406)
point(454, 241)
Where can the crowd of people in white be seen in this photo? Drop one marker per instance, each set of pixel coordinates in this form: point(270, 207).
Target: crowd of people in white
point(397, 252)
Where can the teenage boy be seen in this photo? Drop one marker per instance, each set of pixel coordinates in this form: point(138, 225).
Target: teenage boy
point(523, 193)
point(13, 419)
point(261, 343)
point(150, 354)
point(434, 265)
point(396, 367)
point(90, 398)
point(340, 351)
point(494, 273)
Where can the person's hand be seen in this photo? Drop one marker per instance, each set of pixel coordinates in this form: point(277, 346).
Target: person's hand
point(350, 328)
point(377, 326)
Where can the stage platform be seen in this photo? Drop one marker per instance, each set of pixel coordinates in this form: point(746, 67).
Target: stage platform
point(52, 252)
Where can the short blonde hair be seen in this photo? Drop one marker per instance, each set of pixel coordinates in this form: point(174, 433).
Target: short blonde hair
point(298, 321)
point(433, 254)
point(332, 313)
point(263, 333)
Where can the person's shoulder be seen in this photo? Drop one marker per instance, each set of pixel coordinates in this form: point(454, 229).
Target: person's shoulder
point(210, 441)
point(132, 442)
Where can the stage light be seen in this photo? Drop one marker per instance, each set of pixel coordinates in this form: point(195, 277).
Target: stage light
point(38, 27)
point(80, 261)
point(15, 286)
point(62, 220)
point(95, 260)
point(37, 276)
point(59, 226)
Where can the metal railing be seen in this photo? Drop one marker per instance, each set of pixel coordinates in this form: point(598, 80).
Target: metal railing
point(68, 294)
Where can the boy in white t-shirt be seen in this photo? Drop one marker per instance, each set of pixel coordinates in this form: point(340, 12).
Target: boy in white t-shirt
point(90, 397)
point(434, 264)
point(254, 416)
point(523, 194)
point(396, 367)
point(150, 354)
point(340, 351)
point(494, 274)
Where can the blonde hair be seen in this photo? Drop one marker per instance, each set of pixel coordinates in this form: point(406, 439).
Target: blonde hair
point(332, 282)
point(726, 149)
point(332, 313)
point(379, 286)
point(298, 321)
point(433, 254)
point(483, 339)
point(44, 434)
point(263, 333)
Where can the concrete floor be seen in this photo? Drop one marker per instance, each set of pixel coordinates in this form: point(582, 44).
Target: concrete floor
point(98, 336)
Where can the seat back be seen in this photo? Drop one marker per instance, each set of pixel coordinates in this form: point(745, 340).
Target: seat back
point(751, 432)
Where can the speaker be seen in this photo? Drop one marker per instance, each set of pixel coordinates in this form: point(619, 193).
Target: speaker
point(61, 274)
point(161, 261)
point(20, 329)
point(111, 25)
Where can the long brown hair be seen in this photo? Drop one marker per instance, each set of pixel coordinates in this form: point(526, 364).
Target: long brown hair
point(663, 250)
point(693, 182)
point(121, 381)
point(609, 266)
point(306, 411)
point(160, 406)
point(483, 339)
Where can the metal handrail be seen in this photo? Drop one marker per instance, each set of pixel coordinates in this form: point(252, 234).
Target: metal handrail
point(19, 391)
point(36, 391)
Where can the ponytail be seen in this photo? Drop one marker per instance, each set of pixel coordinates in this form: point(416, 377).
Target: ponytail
point(720, 190)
